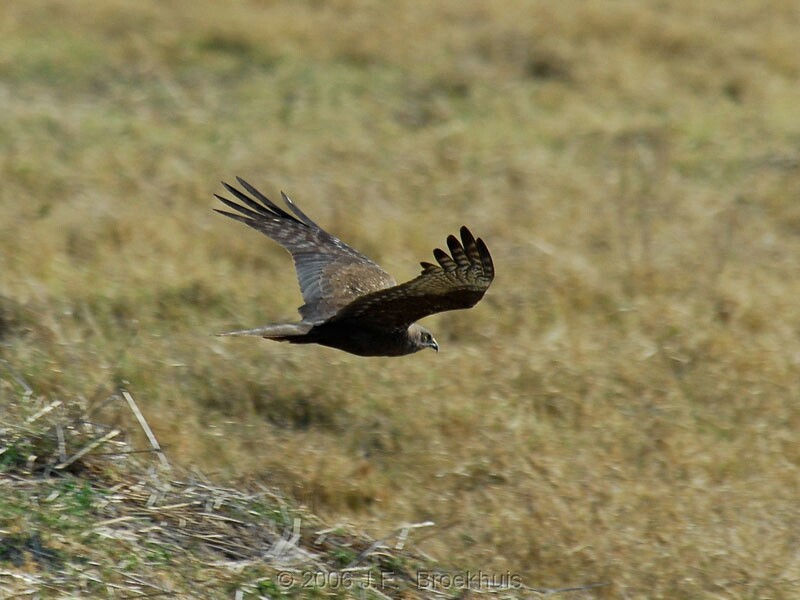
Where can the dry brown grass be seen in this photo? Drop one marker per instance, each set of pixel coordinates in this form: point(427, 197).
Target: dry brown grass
point(89, 516)
point(622, 407)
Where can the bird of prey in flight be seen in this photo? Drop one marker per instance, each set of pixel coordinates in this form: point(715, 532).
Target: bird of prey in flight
point(350, 302)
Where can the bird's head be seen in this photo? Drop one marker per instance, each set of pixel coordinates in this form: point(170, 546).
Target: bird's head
point(420, 338)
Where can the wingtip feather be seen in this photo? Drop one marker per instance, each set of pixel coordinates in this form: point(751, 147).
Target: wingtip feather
point(296, 210)
point(466, 236)
point(444, 259)
point(486, 258)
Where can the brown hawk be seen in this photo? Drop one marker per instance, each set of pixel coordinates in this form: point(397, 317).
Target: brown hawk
point(350, 302)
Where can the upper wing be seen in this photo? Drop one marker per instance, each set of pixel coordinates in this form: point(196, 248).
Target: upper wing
point(331, 274)
point(457, 282)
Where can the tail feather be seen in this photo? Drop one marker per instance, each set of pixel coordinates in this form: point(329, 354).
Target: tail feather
point(279, 331)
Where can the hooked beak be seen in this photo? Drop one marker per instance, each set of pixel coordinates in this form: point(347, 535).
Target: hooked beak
point(434, 345)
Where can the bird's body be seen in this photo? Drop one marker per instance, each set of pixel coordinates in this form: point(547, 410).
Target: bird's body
point(350, 302)
point(359, 339)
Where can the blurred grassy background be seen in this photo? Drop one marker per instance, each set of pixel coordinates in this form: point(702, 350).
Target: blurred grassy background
point(622, 406)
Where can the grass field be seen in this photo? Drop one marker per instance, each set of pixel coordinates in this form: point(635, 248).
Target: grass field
point(624, 405)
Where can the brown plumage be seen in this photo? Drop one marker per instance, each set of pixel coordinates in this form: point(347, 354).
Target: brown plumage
point(350, 302)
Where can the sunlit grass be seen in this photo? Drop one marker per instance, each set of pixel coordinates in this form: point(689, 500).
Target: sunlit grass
point(622, 405)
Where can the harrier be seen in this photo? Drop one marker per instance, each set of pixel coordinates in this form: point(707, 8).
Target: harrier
point(350, 302)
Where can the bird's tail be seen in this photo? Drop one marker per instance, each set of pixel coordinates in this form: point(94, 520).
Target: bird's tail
point(283, 332)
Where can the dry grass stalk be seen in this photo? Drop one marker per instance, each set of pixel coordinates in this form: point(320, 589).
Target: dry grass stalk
point(146, 428)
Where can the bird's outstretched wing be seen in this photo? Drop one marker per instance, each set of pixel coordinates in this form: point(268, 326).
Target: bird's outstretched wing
point(331, 273)
point(456, 282)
